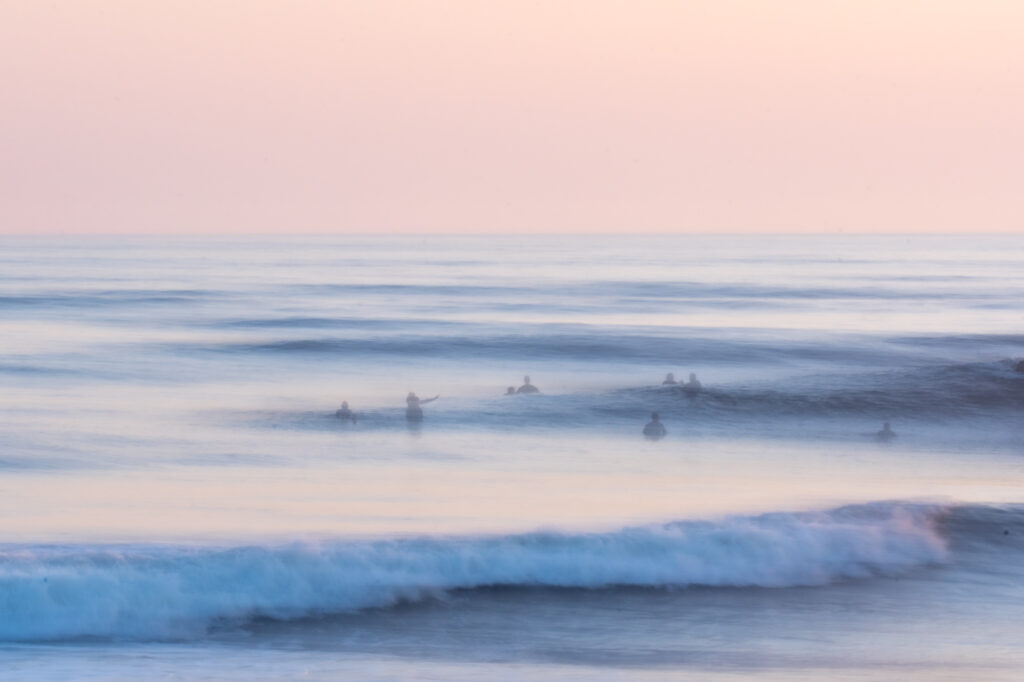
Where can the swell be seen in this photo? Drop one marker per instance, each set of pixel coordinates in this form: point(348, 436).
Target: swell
point(34, 370)
point(359, 323)
point(963, 391)
point(94, 299)
point(662, 347)
point(968, 389)
point(423, 336)
point(665, 291)
point(150, 592)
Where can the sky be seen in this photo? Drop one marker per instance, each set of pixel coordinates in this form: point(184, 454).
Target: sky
point(503, 117)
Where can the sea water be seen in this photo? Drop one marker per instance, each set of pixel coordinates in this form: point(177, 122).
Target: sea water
point(178, 500)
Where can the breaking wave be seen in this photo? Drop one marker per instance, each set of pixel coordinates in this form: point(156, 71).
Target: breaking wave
point(160, 592)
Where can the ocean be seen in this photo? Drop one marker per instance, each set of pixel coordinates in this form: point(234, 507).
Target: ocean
point(179, 500)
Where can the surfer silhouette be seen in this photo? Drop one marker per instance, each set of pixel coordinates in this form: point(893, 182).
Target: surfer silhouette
point(344, 413)
point(511, 390)
point(670, 380)
point(527, 387)
point(654, 430)
point(886, 434)
point(693, 386)
point(413, 411)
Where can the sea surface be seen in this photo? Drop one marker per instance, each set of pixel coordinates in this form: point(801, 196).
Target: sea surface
point(179, 501)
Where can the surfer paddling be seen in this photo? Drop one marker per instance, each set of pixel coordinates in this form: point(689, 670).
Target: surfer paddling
point(654, 430)
point(413, 411)
point(345, 414)
point(527, 387)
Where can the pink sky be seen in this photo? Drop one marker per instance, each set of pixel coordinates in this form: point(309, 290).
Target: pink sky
point(198, 116)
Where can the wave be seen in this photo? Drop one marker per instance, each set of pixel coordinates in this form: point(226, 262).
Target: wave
point(36, 463)
point(965, 391)
point(971, 389)
point(591, 346)
point(620, 291)
point(425, 337)
point(87, 299)
point(960, 340)
point(359, 323)
point(157, 592)
point(30, 370)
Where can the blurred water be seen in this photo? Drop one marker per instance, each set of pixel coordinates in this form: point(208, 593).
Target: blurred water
point(182, 391)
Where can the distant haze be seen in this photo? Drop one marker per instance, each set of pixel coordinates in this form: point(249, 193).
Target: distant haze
point(194, 116)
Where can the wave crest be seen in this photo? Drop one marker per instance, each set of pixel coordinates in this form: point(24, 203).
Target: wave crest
point(144, 592)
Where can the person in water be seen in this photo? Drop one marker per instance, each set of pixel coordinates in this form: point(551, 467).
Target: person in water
point(527, 387)
point(693, 385)
point(413, 411)
point(511, 390)
point(654, 430)
point(886, 434)
point(670, 380)
point(1019, 367)
point(344, 413)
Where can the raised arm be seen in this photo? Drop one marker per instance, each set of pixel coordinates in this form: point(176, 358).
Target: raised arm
point(429, 400)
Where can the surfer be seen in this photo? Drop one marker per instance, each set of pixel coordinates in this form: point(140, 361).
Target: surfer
point(654, 430)
point(1019, 367)
point(344, 413)
point(413, 411)
point(511, 390)
point(886, 434)
point(670, 380)
point(527, 387)
point(692, 387)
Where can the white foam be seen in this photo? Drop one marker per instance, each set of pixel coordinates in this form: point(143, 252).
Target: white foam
point(179, 592)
